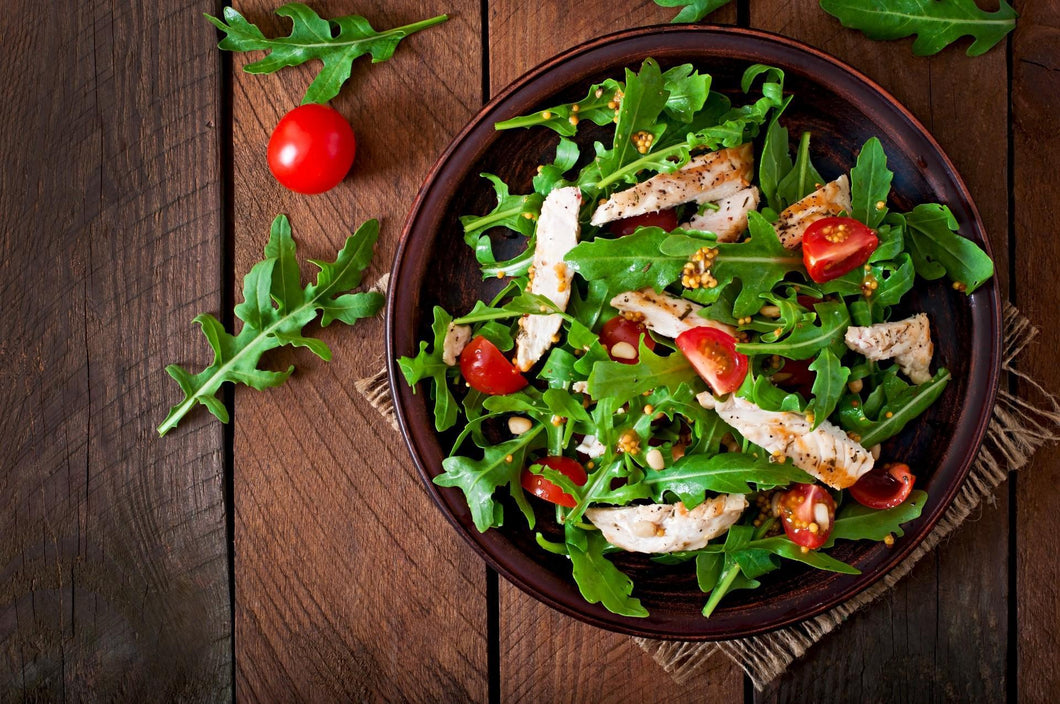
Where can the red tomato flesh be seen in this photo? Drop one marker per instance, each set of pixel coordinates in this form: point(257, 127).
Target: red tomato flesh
point(619, 330)
point(311, 149)
point(832, 247)
point(713, 354)
point(797, 376)
point(542, 488)
point(884, 486)
point(666, 219)
point(486, 369)
point(807, 513)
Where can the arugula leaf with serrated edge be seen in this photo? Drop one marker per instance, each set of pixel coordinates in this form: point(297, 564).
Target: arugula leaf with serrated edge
point(803, 179)
point(692, 10)
point(598, 580)
point(615, 380)
point(829, 383)
point(275, 280)
point(857, 522)
point(936, 23)
point(335, 43)
point(807, 340)
point(627, 263)
point(870, 183)
point(901, 403)
point(429, 365)
point(690, 477)
point(936, 247)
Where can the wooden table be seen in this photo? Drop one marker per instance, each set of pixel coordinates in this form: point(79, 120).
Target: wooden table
point(294, 554)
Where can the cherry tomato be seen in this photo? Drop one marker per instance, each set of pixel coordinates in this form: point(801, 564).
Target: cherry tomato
point(796, 376)
point(713, 354)
point(542, 488)
point(833, 246)
point(884, 486)
point(487, 370)
point(619, 330)
point(666, 219)
point(807, 512)
point(311, 149)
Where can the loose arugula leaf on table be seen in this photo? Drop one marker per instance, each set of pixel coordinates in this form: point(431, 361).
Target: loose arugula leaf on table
point(335, 43)
point(937, 23)
point(889, 407)
point(479, 479)
point(599, 581)
point(429, 365)
point(870, 184)
point(937, 248)
point(690, 477)
point(692, 10)
point(760, 262)
point(276, 308)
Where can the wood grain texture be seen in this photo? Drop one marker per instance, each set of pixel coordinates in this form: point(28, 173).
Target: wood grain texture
point(547, 656)
point(113, 569)
point(349, 583)
point(1036, 144)
point(920, 632)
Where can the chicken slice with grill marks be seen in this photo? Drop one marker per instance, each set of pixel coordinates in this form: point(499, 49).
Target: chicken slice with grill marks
point(662, 313)
point(830, 199)
point(730, 219)
point(706, 177)
point(907, 342)
point(557, 233)
point(659, 528)
point(827, 452)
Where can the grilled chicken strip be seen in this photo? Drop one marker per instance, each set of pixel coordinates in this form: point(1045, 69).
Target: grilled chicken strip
point(730, 219)
point(827, 453)
point(830, 199)
point(658, 528)
point(706, 177)
point(557, 233)
point(456, 339)
point(665, 314)
point(907, 342)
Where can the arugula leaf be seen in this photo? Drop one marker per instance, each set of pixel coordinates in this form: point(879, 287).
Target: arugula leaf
point(857, 522)
point(615, 380)
point(335, 43)
point(479, 479)
point(692, 10)
point(429, 365)
point(628, 263)
point(937, 247)
point(644, 98)
point(803, 178)
point(775, 162)
point(807, 340)
point(785, 548)
point(598, 580)
point(870, 184)
point(937, 23)
point(828, 385)
point(596, 106)
point(728, 473)
point(896, 404)
point(687, 91)
point(267, 326)
point(515, 212)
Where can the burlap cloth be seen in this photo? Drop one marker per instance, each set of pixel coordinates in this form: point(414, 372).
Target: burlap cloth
point(1017, 429)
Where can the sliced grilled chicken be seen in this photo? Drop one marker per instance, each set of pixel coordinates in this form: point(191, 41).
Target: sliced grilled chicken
point(706, 177)
point(827, 453)
point(665, 314)
point(907, 342)
point(591, 446)
point(658, 528)
point(730, 219)
point(830, 199)
point(557, 233)
point(456, 339)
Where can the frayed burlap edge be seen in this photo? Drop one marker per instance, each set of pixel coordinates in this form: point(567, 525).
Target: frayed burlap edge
point(1017, 429)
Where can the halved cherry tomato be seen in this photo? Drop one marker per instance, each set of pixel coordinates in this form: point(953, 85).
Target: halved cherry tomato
point(311, 149)
point(620, 330)
point(833, 246)
point(542, 488)
point(884, 486)
point(487, 370)
point(713, 354)
point(807, 513)
point(666, 219)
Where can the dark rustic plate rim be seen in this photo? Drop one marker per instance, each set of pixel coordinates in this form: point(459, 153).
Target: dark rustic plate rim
point(985, 312)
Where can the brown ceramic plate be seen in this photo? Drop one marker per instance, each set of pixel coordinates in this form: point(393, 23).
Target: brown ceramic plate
point(843, 109)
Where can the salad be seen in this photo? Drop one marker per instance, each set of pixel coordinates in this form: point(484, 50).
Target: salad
point(702, 351)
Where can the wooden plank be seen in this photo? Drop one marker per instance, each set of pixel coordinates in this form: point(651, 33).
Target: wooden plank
point(547, 656)
point(1036, 148)
point(113, 559)
point(345, 571)
point(920, 632)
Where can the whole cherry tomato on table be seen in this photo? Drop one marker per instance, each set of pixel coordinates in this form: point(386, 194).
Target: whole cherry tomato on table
point(486, 369)
point(832, 247)
point(542, 488)
point(311, 149)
